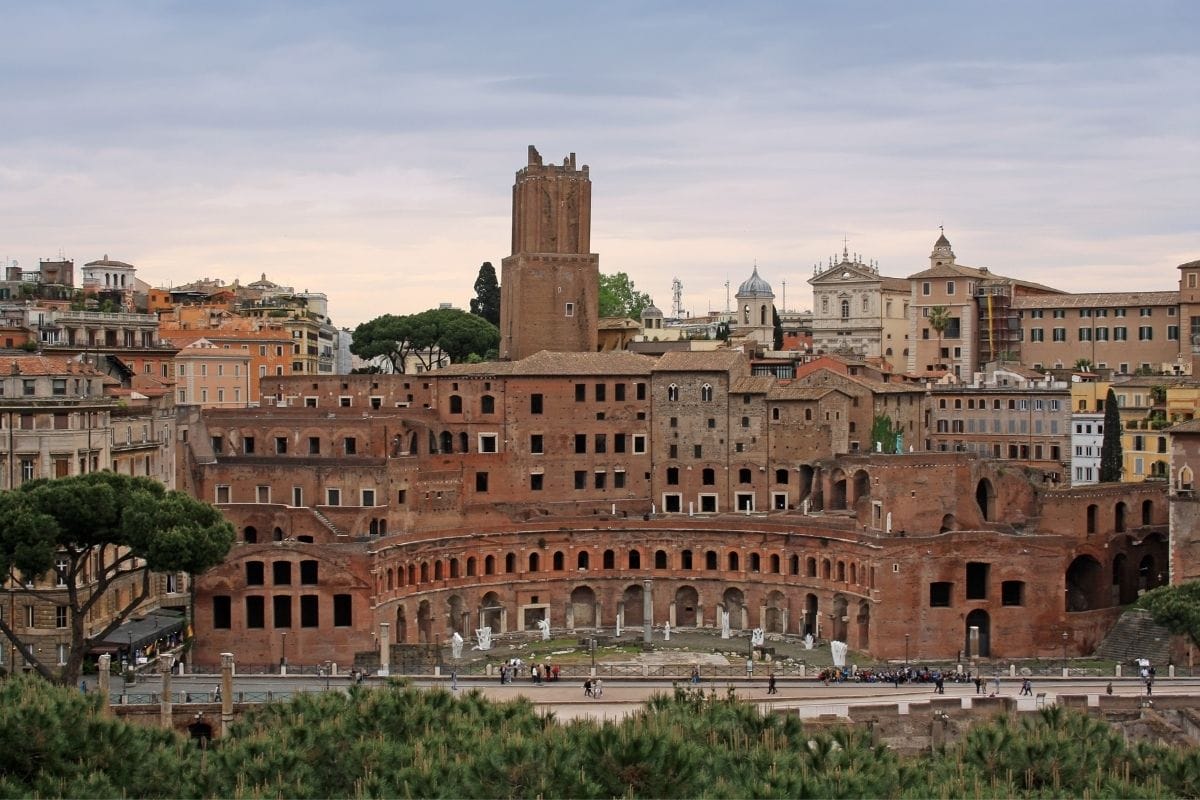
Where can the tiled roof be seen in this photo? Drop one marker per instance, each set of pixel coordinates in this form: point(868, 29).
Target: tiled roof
point(1097, 299)
point(701, 361)
point(799, 392)
point(1191, 426)
point(32, 365)
point(751, 384)
point(617, 362)
point(982, 275)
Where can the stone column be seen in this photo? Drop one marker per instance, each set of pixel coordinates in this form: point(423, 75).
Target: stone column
point(226, 692)
point(104, 685)
point(647, 611)
point(166, 663)
point(570, 616)
point(385, 648)
point(671, 613)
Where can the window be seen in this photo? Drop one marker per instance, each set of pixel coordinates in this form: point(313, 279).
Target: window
point(262, 494)
point(601, 480)
point(218, 445)
point(310, 616)
point(536, 443)
point(255, 573)
point(342, 606)
point(1120, 335)
point(706, 393)
point(222, 611)
point(845, 307)
point(282, 607)
point(641, 391)
point(281, 443)
point(488, 442)
point(536, 481)
point(580, 393)
point(977, 579)
point(949, 287)
point(487, 404)
point(926, 288)
point(222, 494)
point(939, 594)
point(569, 310)
point(1145, 333)
point(600, 392)
point(618, 443)
point(600, 443)
point(639, 443)
point(536, 402)
point(1060, 334)
point(1037, 335)
point(1012, 593)
point(619, 392)
point(60, 616)
point(255, 612)
point(333, 497)
point(580, 479)
point(581, 443)
point(368, 497)
point(308, 572)
point(314, 445)
point(672, 393)
point(481, 481)
point(672, 476)
point(619, 479)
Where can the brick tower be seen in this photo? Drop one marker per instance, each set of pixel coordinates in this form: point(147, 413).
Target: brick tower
point(549, 296)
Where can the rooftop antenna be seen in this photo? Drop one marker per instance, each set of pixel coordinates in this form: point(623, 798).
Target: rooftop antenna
point(676, 298)
point(727, 295)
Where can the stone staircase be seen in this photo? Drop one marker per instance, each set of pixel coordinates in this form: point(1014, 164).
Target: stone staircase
point(1136, 635)
point(328, 523)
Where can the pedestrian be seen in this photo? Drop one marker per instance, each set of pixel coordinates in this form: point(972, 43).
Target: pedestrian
point(454, 680)
point(695, 674)
point(996, 682)
point(940, 685)
point(217, 693)
point(771, 689)
point(598, 688)
point(1108, 689)
point(978, 685)
point(587, 688)
point(83, 686)
point(1149, 684)
point(749, 667)
point(1026, 688)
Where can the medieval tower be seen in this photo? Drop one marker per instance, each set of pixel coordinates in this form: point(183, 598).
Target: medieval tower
point(550, 285)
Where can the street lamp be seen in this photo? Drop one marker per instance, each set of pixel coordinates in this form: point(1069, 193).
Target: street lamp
point(1064, 638)
point(906, 651)
point(283, 651)
point(592, 649)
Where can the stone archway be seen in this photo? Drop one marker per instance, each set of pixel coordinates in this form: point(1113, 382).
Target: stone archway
point(491, 613)
point(583, 607)
point(401, 624)
point(424, 622)
point(812, 609)
point(841, 618)
point(983, 648)
point(776, 613)
point(734, 603)
point(631, 599)
point(985, 498)
point(1085, 590)
point(837, 490)
point(456, 612)
point(862, 486)
point(863, 621)
point(687, 606)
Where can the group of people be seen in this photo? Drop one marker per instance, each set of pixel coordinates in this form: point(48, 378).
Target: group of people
point(593, 687)
point(538, 673)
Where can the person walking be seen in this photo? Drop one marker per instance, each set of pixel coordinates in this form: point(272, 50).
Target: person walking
point(771, 688)
point(978, 685)
point(454, 680)
point(1026, 688)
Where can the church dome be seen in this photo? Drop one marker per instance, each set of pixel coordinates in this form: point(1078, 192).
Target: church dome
point(755, 285)
point(651, 311)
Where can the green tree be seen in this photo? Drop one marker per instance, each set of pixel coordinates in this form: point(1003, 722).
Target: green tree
point(618, 298)
point(1111, 456)
point(1176, 608)
point(425, 336)
point(486, 302)
point(939, 320)
point(1083, 365)
point(96, 533)
point(884, 431)
point(778, 340)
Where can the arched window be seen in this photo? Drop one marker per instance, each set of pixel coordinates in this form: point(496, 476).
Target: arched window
point(610, 559)
point(470, 566)
point(660, 559)
point(706, 393)
point(733, 562)
point(489, 565)
point(708, 476)
point(559, 561)
point(845, 309)
point(533, 562)
point(672, 393)
point(250, 535)
point(685, 559)
point(455, 404)
point(487, 404)
point(781, 476)
point(808, 415)
point(744, 475)
point(510, 563)
point(581, 560)
point(634, 559)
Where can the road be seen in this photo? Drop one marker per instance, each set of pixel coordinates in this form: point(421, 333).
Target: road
point(624, 695)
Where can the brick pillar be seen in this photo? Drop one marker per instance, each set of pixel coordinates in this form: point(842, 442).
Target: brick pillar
point(647, 611)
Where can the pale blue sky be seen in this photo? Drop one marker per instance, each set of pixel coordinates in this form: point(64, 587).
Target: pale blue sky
point(367, 150)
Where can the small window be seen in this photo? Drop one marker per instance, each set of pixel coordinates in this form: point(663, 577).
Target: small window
point(536, 402)
point(939, 594)
point(569, 310)
point(1012, 593)
point(222, 609)
point(350, 445)
point(342, 608)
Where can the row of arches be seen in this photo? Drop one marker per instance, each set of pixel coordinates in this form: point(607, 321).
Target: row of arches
point(1138, 567)
point(1120, 516)
point(828, 568)
point(682, 605)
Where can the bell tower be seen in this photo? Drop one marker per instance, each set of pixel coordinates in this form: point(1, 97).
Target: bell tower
point(550, 285)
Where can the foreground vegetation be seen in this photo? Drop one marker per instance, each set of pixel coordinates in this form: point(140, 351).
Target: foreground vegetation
point(401, 742)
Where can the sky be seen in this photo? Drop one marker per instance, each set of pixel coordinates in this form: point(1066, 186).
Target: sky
point(368, 150)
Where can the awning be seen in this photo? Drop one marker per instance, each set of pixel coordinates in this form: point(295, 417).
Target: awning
point(140, 632)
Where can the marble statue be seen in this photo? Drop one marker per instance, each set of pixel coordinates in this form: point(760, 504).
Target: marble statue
point(483, 638)
point(808, 641)
point(544, 626)
point(838, 651)
point(667, 631)
point(456, 645)
point(757, 637)
point(724, 615)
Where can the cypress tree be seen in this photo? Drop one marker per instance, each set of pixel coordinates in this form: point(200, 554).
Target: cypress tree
point(1111, 456)
point(486, 302)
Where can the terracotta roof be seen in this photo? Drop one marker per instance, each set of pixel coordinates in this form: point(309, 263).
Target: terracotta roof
point(751, 384)
point(800, 392)
point(982, 275)
point(616, 362)
point(1101, 299)
point(33, 365)
point(1191, 426)
point(701, 361)
point(105, 262)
